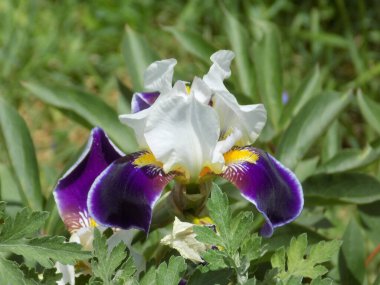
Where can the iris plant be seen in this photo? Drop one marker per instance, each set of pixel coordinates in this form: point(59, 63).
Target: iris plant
point(189, 133)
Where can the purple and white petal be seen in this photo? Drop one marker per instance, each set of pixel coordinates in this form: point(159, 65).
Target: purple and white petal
point(72, 189)
point(143, 100)
point(265, 182)
point(124, 194)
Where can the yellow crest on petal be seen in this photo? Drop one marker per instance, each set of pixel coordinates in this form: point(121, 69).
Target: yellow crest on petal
point(146, 158)
point(238, 155)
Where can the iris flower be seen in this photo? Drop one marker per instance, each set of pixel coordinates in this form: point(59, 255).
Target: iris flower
point(190, 133)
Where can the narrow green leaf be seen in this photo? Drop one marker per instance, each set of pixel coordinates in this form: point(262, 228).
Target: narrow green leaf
point(350, 159)
point(89, 108)
point(138, 56)
point(308, 126)
point(239, 41)
point(332, 141)
point(370, 111)
point(355, 188)
point(306, 168)
point(308, 89)
point(352, 256)
point(268, 68)
point(193, 43)
point(22, 155)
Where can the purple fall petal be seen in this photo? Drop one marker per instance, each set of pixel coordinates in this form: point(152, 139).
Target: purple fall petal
point(72, 189)
point(265, 182)
point(124, 194)
point(142, 101)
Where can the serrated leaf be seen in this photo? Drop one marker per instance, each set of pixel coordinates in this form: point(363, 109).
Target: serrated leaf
point(207, 236)
point(22, 155)
point(241, 227)
point(352, 256)
point(296, 252)
point(355, 188)
point(105, 263)
point(320, 281)
point(149, 278)
point(309, 125)
point(46, 250)
point(171, 273)
point(220, 213)
point(278, 259)
point(216, 259)
point(25, 223)
point(300, 264)
point(90, 110)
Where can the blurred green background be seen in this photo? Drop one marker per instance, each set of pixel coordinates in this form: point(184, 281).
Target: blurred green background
point(323, 56)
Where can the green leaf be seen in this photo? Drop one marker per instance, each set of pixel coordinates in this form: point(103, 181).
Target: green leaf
point(10, 273)
point(22, 155)
point(355, 188)
point(352, 256)
point(309, 125)
point(350, 159)
point(46, 250)
point(220, 213)
point(299, 260)
point(90, 109)
point(332, 141)
point(307, 89)
point(15, 238)
point(171, 273)
point(241, 227)
point(208, 236)
point(370, 110)
point(105, 263)
point(149, 278)
point(306, 168)
point(25, 224)
point(239, 41)
point(193, 43)
point(216, 259)
point(320, 281)
point(138, 55)
point(268, 68)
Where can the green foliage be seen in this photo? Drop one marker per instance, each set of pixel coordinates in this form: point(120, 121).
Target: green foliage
point(299, 260)
point(238, 246)
point(17, 236)
point(110, 267)
point(21, 154)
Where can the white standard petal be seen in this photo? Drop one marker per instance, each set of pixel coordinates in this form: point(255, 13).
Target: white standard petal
point(159, 75)
point(249, 119)
point(137, 122)
point(201, 91)
point(182, 133)
point(219, 70)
